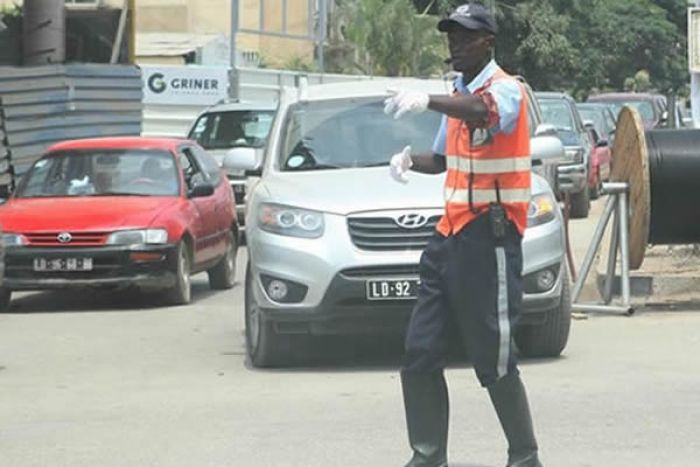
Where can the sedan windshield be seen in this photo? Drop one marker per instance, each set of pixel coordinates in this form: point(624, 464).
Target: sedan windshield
point(231, 129)
point(645, 109)
point(125, 172)
point(597, 116)
point(346, 133)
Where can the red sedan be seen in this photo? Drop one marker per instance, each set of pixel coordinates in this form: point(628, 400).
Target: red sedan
point(116, 212)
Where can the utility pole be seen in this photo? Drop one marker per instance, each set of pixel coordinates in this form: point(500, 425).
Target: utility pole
point(44, 32)
point(694, 80)
point(233, 87)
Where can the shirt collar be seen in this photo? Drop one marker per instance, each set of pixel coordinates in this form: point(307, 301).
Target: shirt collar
point(484, 75)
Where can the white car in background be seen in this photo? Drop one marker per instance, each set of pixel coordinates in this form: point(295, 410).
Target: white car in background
point(235, 127)
point(334, 243)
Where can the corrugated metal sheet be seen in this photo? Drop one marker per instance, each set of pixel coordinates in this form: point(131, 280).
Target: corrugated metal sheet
point(47, 104)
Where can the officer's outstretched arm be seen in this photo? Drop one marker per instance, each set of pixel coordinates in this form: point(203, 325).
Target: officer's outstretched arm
point(428, 163)
point(469, 108)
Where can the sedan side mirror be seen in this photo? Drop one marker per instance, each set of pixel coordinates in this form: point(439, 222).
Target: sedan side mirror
point(201, 190)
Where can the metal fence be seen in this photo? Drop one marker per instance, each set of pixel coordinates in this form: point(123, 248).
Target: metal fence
point(256, 84)
point(40, 106)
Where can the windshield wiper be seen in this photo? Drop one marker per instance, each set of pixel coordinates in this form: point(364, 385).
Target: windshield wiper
point(374, 164)
point(316, 167)
point(118, 193)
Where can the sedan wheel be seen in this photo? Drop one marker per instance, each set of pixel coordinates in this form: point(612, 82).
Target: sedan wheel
point(181, 292)
point(223, 275)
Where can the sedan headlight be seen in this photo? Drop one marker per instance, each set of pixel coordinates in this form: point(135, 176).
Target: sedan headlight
point(575, 154)
point(286, 220)
point(541, 210)
point(138, 237)
point(11, 239)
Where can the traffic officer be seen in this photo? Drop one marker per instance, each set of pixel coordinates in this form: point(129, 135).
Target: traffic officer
point(470, 271)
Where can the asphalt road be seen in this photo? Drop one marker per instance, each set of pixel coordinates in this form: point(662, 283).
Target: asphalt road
point(94, 380)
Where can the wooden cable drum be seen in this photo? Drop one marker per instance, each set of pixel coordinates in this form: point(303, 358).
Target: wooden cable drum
point(630, 164)
point(662, 170)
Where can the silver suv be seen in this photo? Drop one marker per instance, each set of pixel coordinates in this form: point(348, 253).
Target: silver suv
point(559, 109)
point(334, 243)
point(239, 128)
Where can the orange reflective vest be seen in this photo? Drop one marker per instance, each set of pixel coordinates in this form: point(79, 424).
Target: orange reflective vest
point(492, 168)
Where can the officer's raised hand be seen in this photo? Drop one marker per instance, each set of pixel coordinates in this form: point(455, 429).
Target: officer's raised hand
point(402, 101)
point(400, 164)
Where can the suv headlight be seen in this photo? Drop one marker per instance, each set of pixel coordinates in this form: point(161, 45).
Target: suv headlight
point(541, 210)
point(575, 154)
point(11, 239)
point(138, 237)
point(286, 220)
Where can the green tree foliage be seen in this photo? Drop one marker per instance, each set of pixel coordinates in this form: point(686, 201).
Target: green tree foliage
point(578, 46)
point(586, 45)
point(384, 37)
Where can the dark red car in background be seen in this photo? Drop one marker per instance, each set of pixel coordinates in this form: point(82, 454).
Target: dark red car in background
point(118, 212)
point(601, 120)
point(652, 108)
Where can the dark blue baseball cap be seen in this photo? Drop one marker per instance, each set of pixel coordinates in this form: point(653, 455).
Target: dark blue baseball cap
point(472, 16)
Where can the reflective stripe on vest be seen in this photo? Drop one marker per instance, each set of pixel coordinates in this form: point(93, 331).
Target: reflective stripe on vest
point(502, 161)
point(487, 166)
point(481, 196)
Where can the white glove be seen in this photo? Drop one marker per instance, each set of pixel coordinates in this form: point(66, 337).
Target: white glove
point(401, 101)
point(400, 164)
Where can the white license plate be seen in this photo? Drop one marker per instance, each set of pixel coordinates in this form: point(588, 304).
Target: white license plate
point(392, 289)
point(63, 264)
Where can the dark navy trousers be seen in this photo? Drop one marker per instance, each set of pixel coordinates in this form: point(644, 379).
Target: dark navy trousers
point(471, 286)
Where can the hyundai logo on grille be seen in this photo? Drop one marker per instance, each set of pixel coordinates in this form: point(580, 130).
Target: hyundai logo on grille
point(64, 237)
point(412, 221)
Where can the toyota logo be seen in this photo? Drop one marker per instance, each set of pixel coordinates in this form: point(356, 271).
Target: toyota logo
point(412, 221)
point(64, 237)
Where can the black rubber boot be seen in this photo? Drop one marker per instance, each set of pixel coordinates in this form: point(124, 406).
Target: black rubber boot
point(427, 417)
point(510, 401)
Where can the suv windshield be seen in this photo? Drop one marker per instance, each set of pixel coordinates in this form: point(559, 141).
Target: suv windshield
point(345, 133)
point(557, 113)
point(129, 172)
point(233, 128)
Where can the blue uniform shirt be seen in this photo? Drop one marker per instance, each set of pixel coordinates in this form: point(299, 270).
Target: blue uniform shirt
point(506, 94)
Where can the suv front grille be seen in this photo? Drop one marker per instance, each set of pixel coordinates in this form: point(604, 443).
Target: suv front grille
point(383, 233)
point(364, 272)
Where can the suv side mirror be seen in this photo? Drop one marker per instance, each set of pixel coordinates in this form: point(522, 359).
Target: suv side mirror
point(201, 189)
point(546, 129)
point(241, 160)
point(546, 148)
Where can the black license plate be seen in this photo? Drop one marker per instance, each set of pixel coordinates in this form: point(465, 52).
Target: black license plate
point(63, 264)
point(239, 189)
point(392, 289)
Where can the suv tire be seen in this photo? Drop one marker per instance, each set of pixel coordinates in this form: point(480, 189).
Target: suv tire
point(549, 338)
point(580, 203)
point(223, 275)
point(264, 346)
point(5, 299)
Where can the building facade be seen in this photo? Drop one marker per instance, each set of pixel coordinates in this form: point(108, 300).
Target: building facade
point(199, 18)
